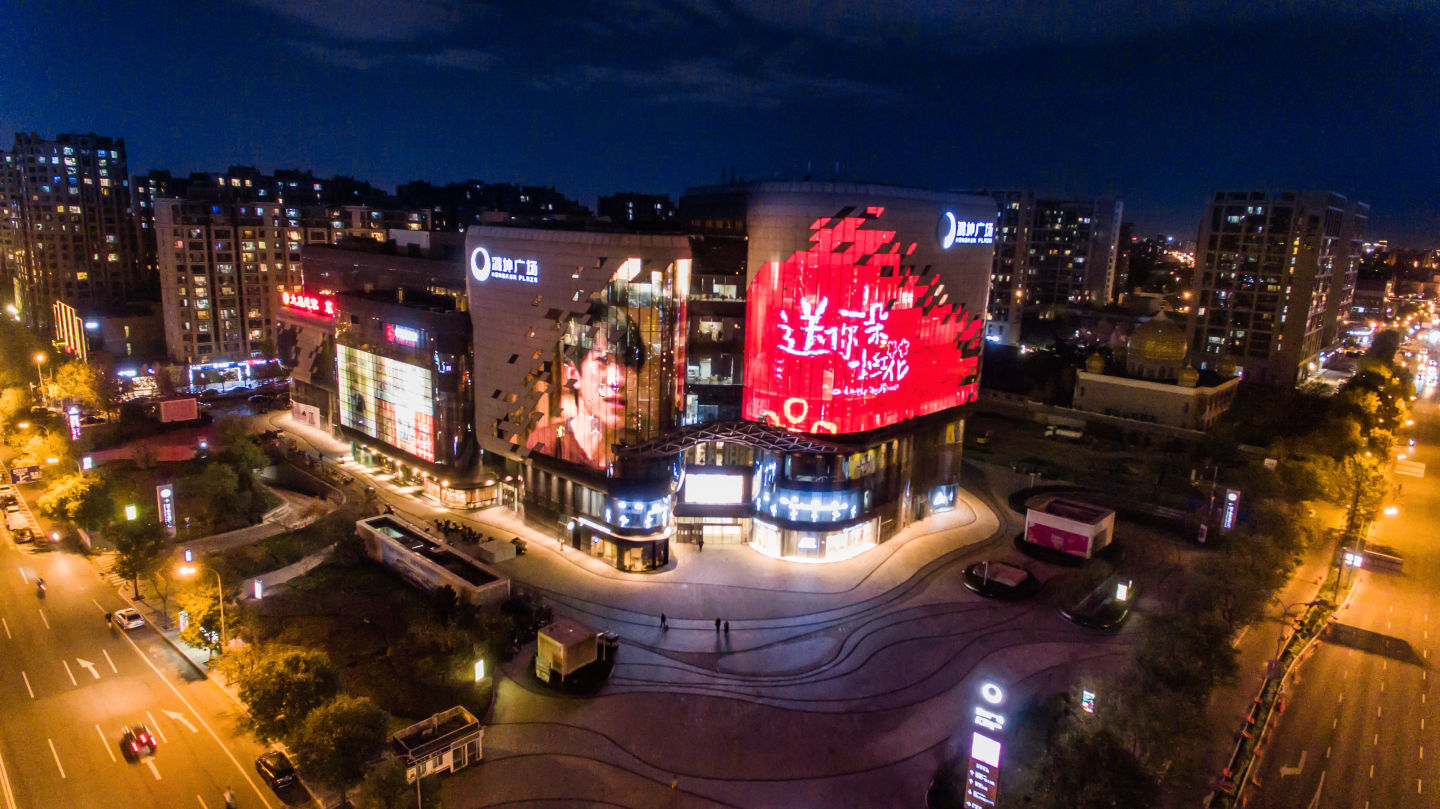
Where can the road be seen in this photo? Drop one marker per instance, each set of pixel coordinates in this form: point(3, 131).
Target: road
point(1359, 729)
point(69, 685)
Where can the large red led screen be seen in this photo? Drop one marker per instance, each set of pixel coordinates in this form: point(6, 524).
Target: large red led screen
point(846, 337)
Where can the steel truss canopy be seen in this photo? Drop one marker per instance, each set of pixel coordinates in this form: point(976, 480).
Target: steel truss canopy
point(748, 433)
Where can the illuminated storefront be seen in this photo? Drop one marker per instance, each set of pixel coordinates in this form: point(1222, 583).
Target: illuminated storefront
point(791, 373)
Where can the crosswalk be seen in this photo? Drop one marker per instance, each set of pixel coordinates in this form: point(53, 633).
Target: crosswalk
point(107, 566)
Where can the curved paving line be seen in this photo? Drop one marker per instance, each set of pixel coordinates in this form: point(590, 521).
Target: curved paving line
point(799, 703)
point(602, 762)
point(796, 704)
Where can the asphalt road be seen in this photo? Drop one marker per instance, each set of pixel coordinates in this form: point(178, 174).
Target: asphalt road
point(1359, 729)
point(69, 685)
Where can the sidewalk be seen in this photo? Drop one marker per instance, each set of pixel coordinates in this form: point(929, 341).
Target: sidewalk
point(1257, 645)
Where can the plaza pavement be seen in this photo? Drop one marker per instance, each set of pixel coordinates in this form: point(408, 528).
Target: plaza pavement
point(838, 685)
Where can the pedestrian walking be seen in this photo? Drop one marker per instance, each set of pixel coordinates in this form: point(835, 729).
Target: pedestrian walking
point(229, 799)
point(727, 627)
point(674, 782)
point(717, 624)
point(700, 545)
point(663, 625)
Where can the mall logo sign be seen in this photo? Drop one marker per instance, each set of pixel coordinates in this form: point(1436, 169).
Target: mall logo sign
point(952, 231)
point(484, 266)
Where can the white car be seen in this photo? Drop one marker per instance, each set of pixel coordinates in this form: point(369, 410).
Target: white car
point(127, 618)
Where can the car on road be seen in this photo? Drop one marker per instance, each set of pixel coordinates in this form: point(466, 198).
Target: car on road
point(127, 618)
point(276, 769)
point(8, 497)
point(137, 742)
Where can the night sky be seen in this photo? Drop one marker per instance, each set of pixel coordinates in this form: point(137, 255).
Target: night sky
point(1157, 103)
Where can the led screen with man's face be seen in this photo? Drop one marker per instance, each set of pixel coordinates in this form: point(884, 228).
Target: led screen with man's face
point(846, 336)
point(616, 381)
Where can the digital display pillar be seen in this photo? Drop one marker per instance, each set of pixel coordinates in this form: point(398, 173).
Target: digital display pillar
point(982, 776)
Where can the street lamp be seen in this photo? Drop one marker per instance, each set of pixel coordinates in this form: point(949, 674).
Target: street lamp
point(188, 570)
point(40, 373)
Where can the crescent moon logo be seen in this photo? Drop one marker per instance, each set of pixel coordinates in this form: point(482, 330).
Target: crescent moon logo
point(947, 231)
point(480, 263)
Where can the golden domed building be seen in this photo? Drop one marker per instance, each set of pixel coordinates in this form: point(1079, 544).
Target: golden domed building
point(1157, 385)
point(1157, 349)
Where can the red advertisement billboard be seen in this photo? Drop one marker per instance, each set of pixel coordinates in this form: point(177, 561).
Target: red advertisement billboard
point(845, 336)
point(1049, 536)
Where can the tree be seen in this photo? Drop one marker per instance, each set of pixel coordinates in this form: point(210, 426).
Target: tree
point(39, 449)
point(83, 499)
point(1094, 771)
point(238, 450)
point(14, 407)
point(282, 688)
point(337, 740)
point(201, 603)
point(141, 549)
point(80, 383)
point(385, 787)
point(218, 488)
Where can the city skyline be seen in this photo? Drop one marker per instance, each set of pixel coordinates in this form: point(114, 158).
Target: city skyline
point(633, 97)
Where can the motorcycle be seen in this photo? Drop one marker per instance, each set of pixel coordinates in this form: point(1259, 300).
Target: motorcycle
point(40, 587)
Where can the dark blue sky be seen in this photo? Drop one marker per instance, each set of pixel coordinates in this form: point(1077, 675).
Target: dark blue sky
point(1157, 103)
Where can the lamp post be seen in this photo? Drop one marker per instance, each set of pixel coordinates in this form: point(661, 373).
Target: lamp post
point(191, 569)
point(40, 375)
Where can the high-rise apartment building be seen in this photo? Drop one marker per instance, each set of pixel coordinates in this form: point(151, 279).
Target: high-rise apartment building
point(1050, 252)
point(221, 266)
point(1274, 274)
point(66, 225)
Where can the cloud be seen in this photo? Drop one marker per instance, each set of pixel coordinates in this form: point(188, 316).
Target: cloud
point(467, 59)
point(371, 20)
point(713, 80)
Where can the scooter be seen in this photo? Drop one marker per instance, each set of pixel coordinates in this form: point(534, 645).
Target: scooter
point(40, 587)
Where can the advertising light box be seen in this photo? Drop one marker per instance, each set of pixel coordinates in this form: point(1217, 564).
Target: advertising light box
point(846, 336)
point(714, 490)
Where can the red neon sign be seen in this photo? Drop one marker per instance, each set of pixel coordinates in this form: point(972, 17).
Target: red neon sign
point(843, 339)
point(322, 305)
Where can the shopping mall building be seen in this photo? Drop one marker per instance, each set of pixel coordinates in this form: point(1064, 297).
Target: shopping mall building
point(791, 370)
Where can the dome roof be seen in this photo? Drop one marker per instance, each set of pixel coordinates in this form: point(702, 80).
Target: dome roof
point(1159, 340)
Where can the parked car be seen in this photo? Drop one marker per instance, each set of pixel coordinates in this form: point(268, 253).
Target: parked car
point(276, 769)
point(137, 742)
point(127, 618)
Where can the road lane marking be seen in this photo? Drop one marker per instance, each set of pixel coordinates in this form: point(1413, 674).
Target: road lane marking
point(88, 666)
point(5, 782)
point(111, 662)
point(244, 774)
point(1334, 722)
point(46, 621)
point(68, 673)
point(1379, 709)
point(1382, 685)
point(1327, 755)
point(150, 762)
point(7, 629)
point(156, 725)
point(105, 743)
point(1377, 741)
point(203, 805)
point(28, 689)
point(57, 757)
point(180, 717)
point(1372, 772)
point(24, 577)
